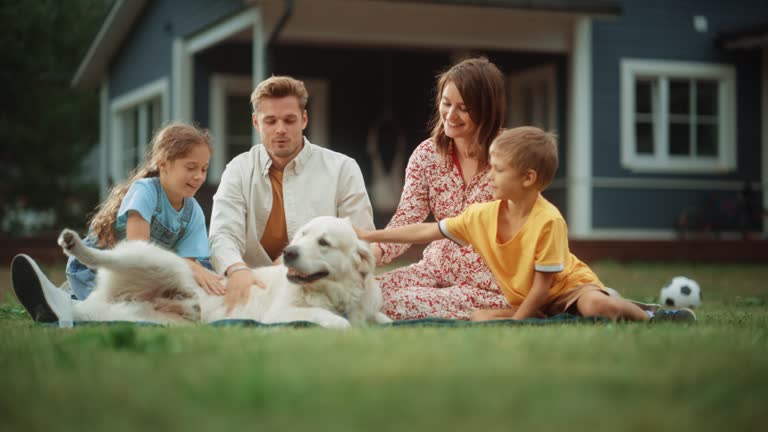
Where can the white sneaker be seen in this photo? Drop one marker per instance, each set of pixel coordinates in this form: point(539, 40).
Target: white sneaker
point(43, 300)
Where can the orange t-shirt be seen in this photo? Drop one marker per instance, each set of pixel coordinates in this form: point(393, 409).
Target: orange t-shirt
point(275, 237)
point(541, 245)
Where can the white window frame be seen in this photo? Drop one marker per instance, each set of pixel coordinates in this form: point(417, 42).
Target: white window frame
point(136, 99)
point(223, 85)
point(661, 160)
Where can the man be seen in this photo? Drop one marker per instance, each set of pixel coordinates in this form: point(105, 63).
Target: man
point(269, 192)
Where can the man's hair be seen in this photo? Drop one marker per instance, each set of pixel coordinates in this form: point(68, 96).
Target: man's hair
point(529, 148)
point(279, 87)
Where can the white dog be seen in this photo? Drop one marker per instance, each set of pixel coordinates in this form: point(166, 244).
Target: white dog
point(327, 275)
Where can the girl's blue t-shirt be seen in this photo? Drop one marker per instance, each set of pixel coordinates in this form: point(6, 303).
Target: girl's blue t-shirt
point(142, 198)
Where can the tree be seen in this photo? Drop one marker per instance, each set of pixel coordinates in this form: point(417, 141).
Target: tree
point(46, 127)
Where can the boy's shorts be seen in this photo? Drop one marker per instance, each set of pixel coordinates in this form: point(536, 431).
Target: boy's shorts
point(566, 302)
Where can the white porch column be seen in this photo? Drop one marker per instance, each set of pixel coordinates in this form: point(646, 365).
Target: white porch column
point(579, 159)
point(184, 50)
point(258, 59)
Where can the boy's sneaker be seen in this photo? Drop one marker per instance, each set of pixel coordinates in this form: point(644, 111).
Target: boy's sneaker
point(44, 302)
point(677, 315)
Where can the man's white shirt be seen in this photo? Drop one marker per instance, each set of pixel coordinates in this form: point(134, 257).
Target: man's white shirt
point(317, 182)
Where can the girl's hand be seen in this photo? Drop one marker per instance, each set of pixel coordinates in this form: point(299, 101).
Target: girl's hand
point(208, 280)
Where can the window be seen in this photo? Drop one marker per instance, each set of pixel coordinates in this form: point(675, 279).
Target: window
point(135, 117)
point(678, 116)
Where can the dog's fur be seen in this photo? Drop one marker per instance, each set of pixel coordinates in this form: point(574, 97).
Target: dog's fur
point(327, 274)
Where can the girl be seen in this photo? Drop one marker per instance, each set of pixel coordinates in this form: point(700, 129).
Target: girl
point(156, 204)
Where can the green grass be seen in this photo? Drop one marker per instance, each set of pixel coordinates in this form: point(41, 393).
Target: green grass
point(709, 376)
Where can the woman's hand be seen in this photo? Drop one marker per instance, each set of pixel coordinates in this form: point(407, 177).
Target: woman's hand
point(208, 280)
point(377, 252)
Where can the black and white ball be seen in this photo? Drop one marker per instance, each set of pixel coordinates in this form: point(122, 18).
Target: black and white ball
point(681, 292)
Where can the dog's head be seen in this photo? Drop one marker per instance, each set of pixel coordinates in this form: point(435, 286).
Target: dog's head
point(327, 248)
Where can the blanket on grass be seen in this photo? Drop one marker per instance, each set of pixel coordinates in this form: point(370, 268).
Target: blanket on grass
point(426, 322)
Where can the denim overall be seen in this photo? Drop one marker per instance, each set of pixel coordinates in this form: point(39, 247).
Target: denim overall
point(82, 279)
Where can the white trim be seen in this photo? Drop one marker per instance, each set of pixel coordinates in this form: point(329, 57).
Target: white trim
point(443, 227)
point(549, 268)
point(133, 99)
point(764, 127)
point(185, 49)
point(221, 86)
point(533, 78)
point(104, 118)
point(661, 160)
point(142, 94)
point(668, 184)
point(658, 234)
point(579, 173)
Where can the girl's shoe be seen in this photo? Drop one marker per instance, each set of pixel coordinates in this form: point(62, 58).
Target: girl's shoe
point(42, 300)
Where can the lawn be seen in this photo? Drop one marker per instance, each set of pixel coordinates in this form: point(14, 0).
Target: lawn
point(709, 376)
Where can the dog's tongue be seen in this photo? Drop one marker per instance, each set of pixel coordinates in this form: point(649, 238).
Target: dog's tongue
point(293, 272)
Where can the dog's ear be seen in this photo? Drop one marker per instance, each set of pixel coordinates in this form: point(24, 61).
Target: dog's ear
point(367, 263)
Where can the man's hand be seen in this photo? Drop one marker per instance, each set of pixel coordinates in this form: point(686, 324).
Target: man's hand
point(238, 288)
point(209, 281)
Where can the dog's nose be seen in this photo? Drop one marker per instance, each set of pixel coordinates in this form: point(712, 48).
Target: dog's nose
point(290, 254)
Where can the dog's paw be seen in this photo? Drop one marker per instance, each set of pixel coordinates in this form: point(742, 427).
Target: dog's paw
point(334, 321)
point(68, 239)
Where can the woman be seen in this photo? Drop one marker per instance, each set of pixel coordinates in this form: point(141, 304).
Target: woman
point(445, 174)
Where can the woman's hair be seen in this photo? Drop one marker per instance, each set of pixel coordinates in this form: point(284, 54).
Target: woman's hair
point(481, 85)
point(169, 143)
point(279, 87)
point(529, 148)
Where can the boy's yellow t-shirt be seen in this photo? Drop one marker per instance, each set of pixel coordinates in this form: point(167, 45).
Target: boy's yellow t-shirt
point(540, 245)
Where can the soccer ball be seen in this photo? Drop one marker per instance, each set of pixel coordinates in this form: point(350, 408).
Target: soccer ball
point(681, 292)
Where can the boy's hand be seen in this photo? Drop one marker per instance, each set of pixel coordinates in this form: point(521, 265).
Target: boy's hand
point(361, 234)
point(208, 281)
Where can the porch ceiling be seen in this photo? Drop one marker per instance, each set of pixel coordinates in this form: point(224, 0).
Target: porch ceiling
point(452, 25)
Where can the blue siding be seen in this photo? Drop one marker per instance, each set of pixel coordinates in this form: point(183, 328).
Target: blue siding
point(663, 30)
point(146, 54)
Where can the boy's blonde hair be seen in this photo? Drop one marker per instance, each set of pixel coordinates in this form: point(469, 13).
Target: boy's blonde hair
point(169, 143)
point(529, 148)
point(279, 87)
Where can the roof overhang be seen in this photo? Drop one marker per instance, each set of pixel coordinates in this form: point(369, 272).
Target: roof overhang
point(745, 39)
point(116, 26)
point(94, 66)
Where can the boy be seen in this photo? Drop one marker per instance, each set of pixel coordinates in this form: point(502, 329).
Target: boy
point(523, 238)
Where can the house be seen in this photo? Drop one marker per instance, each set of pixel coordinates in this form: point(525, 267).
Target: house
point(660, 105)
